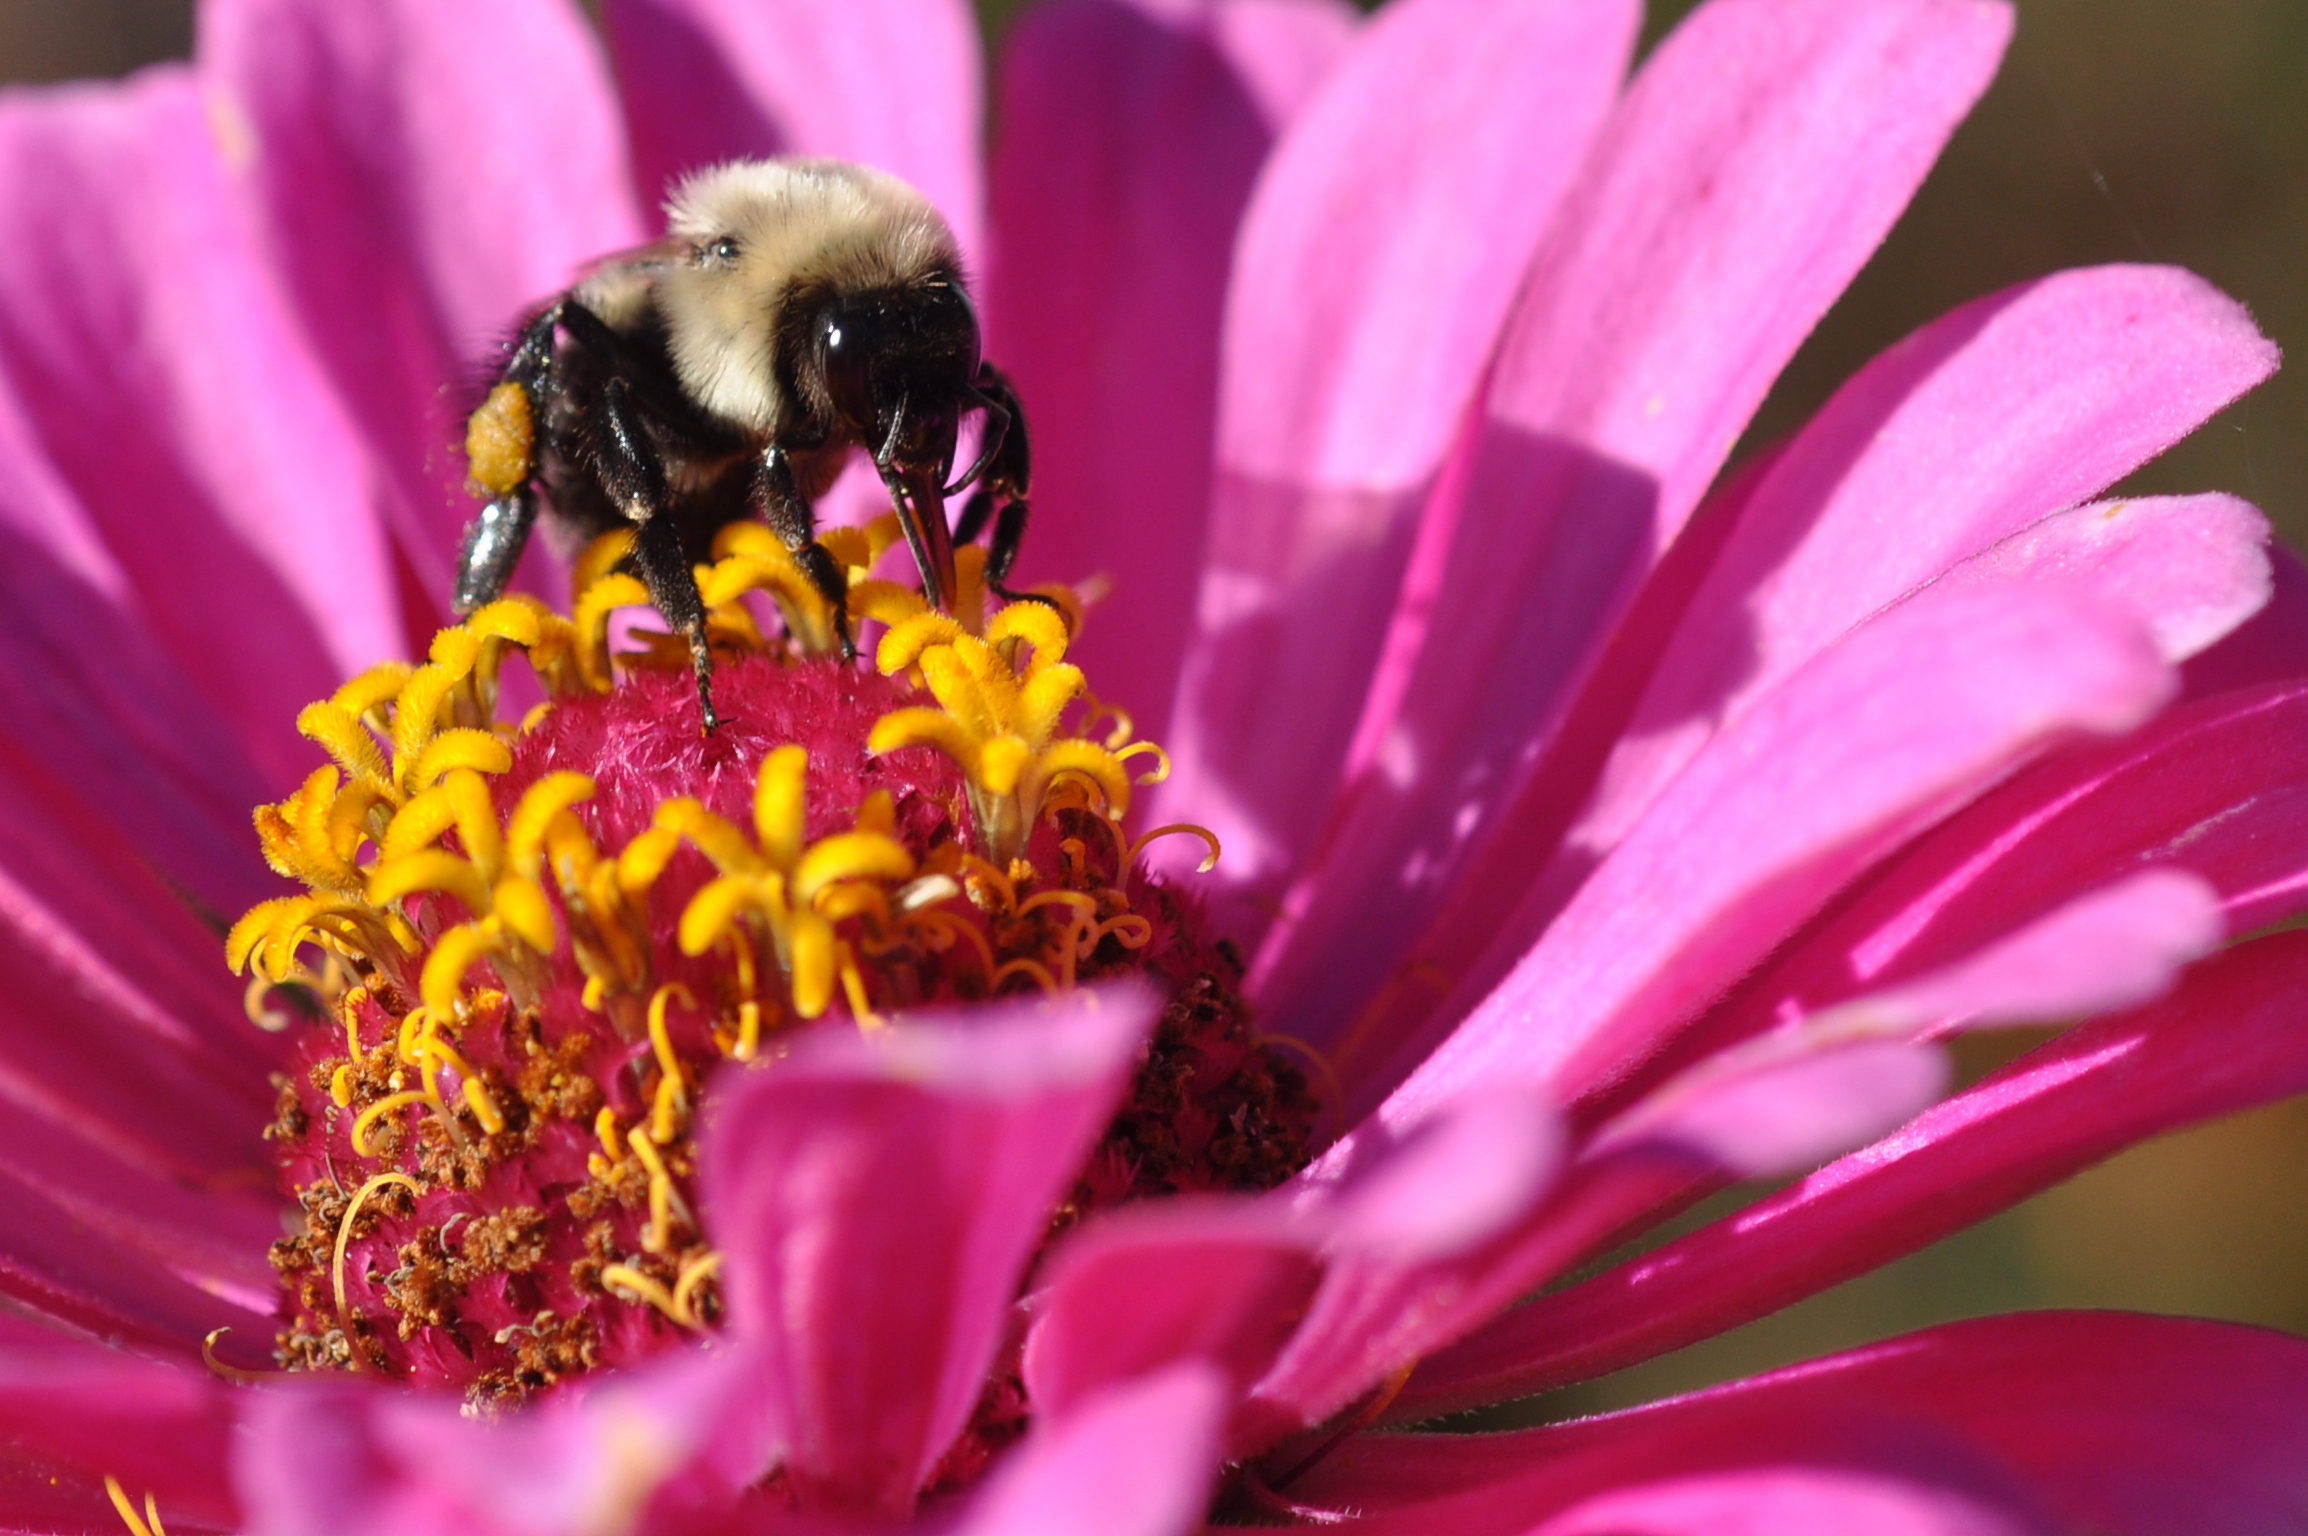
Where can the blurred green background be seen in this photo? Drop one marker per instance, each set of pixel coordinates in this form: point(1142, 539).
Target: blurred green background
point(2120, 130)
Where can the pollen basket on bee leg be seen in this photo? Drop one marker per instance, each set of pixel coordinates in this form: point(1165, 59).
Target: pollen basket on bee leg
point(501, 440)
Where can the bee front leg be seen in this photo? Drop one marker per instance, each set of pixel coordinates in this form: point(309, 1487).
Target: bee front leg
point(788, 513)
point(635, 480)
point(1001, 496)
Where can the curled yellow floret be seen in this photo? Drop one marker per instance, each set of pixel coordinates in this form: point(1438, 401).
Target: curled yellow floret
point(780, 886)
point(1002, 699)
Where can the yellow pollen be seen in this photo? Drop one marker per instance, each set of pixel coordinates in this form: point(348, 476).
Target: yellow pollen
point(501, 441)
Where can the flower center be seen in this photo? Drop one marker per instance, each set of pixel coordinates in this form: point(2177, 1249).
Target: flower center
point(529, 945)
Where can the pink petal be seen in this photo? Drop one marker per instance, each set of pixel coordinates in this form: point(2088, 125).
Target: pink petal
point(1964, 434)
point(2272, 646)
point(878, 1197)
point(1787, 1100)
point(1130, 134)
point(1791, 1112)
point(1358, 324)
point(1135, 1461)
point(90, 695)
point(1787, 1502)
point(1877, 738)
point(1149, 1287)
point(2189, 568)
point(106, 747)
point(2142, 1426)
point(2232, 1036)
point(309, 1462)
point(2212, 788)
point(73, 1413)
point(1449, 1183)
point(685, 1428)
point(887, 83)
point(2113, 948)
point(159, 368)
point(1760, 156)
point(425, 171)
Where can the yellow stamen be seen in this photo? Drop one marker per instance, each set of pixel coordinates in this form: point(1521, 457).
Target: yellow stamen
point(231, 1373)
point(635, 1286)
point(377, 1111)
point(1024, 967)
point(360, 1356)
point(1205, 867)
point(147, 1524)
point(664, 1202)
point(693, 1275)
point(661, 1041)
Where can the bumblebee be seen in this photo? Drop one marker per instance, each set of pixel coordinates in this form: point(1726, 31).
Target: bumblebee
point(797, 311)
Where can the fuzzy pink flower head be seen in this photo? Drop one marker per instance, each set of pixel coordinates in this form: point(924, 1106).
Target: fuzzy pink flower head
point(857, 1119)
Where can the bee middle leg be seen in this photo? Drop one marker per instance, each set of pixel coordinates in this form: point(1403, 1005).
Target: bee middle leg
point(789, 516)
point(635, 480)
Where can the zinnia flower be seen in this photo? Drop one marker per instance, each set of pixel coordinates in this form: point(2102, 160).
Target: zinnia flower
point(766, 1132)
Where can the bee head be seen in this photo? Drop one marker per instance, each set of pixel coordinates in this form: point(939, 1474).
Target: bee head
point(895, 366)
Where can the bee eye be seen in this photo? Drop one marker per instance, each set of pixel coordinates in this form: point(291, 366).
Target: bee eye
point(718, 253)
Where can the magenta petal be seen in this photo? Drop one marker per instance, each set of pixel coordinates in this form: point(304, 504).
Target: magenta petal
point(425, 171)
point(159, 367)
point(878, 1197)
point(1133, 1461)
point(337, 1456)
point(158, 1063)
point(1759, 157)
point(1130, 134)
point(887, 83)
point(2136, 1426)
point(1785, 808)
point(74, 1412)
point(214, 1240)
point(2234, 1034)
point(55, 1265)
point(1147, 1288)
point(1421, 1238)
point(1357, 328)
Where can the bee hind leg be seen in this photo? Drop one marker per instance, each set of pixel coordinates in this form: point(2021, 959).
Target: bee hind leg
point(493, 544)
